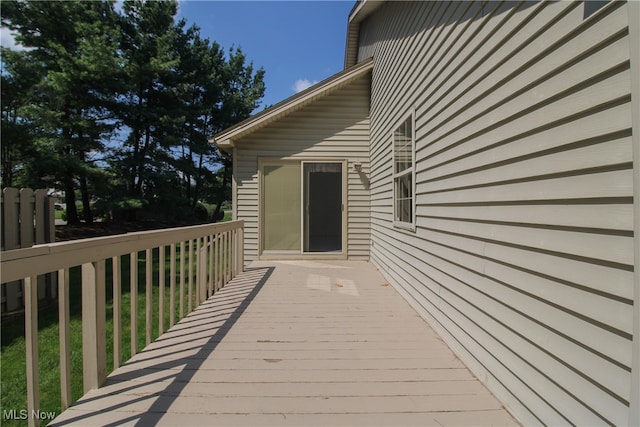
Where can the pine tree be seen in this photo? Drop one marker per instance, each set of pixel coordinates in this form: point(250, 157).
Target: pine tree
point(73, 45)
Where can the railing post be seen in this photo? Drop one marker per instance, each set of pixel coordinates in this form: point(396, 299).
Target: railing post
point(210, 282)
point(65, 338)
point(190, 276)
point(172, 285)
point(240, 250)
point(93, 325)
point(161, 282)
point(183, 247)
point(31, 347)
point(216, 263)
point(202, 271)
point(198, 272)
point(232, 257)
point(117, 311)
point(133, 293)
point(148, 295)
point(225, 257)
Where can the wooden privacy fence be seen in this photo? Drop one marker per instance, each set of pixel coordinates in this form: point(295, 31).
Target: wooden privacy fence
point(28, 218)
point(202, 259)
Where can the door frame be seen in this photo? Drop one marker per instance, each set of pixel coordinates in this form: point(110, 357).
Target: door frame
point(301, 254)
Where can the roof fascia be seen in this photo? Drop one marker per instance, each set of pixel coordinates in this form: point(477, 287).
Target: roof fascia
point(225, 139)
point(361, 10)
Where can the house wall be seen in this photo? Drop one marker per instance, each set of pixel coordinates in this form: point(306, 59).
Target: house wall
point(334, 127)
point(522, 257)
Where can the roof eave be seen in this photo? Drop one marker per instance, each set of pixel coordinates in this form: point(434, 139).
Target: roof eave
point(225, 145)
point(361, 10)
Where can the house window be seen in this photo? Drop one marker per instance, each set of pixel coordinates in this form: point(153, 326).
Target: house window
point(404, 174)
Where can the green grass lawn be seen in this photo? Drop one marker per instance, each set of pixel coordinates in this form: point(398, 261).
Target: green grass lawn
point(12, 358)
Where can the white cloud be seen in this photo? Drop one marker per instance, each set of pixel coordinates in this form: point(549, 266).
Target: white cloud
point(302, 84)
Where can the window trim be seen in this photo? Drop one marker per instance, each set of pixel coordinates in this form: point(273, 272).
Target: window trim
point(411, 226)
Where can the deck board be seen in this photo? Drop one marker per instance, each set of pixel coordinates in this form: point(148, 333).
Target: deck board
point(295, 343)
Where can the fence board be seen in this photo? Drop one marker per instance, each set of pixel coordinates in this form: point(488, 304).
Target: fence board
point(27, 218)
point(11, 237)
point(40, 220)
point(11, 230)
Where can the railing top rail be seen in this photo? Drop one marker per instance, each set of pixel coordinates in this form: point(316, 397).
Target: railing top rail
point(41, 259)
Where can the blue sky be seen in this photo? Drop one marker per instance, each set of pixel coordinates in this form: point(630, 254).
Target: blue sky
point(297, 42)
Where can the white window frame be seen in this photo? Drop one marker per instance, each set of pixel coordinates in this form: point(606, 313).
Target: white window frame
point(410, 170)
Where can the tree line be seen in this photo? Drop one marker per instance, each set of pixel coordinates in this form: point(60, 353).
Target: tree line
point(115, 106)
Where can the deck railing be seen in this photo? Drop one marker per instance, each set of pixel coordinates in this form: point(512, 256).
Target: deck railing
point(202, 259)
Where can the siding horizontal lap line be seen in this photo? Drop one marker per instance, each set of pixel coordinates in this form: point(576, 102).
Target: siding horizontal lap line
point(624, 133)
point(596, 217)
point(533, 178)
point(592, 186)
point(589, 260)
point(576, 201)
point(588, 230)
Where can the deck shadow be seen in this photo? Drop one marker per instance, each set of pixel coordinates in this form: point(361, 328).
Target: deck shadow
point(181, 370)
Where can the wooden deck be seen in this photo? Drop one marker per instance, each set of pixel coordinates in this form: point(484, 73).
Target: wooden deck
point(295, 343)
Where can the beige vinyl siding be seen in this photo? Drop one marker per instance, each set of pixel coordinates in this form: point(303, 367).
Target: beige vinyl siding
point(334, 127)
point(522, 258)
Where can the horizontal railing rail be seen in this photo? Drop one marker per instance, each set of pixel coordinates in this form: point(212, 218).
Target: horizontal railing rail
point(201, 260)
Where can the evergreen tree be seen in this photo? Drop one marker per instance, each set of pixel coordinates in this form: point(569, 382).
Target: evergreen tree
point(18, 133)
point(73, 46)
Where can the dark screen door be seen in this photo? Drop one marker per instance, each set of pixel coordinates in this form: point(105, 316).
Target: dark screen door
point(323, 207)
